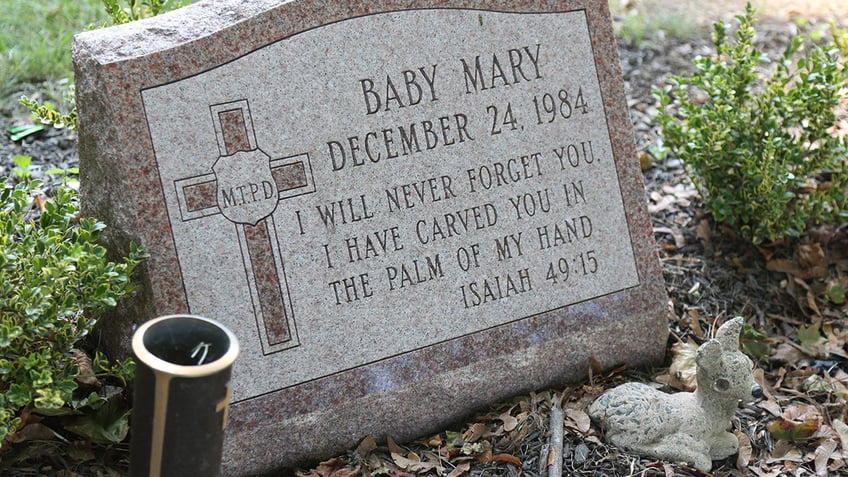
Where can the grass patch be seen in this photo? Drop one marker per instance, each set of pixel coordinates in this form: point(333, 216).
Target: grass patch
point(35, 39)
point(644, 23)
point(637, 28)
point(35, 45)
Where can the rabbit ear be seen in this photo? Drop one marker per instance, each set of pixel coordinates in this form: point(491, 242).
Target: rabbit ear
point(728, 334)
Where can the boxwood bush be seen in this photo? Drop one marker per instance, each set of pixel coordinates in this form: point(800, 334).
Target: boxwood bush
point(54, 281)
point(758, 135)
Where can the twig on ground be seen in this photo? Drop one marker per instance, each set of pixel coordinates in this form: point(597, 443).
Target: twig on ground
point(555, 451)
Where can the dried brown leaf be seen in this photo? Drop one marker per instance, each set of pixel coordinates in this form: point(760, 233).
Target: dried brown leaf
point(578, 420)
point(435, 441)
point(835, 340)
point(793, 431)
point(681, 373)
point(475, 432)
point(335, 467)
point(86, 370)
point(783, 265)
point(645, 160)
point(414, 464)
point(823, 454)
point(81, 451)
point(595, 366)
point(760, 472)
point(393, 447)
point(809, 262)
point(802, 412)
point(811, 302)
point(366, 446)
point(40, 201)
point(451, 454)
point(695, 324)
point(745, 451)
point(778, 377)
point(760, 379)
point(484, 456)
point(811, 257)
point(551, 456)
point(771, 406)
point(702, 231)
point(402, 461)
point(511, 459)
point(509, 422)
point(460, 469)
point(842, 430)
point(31, 432)
point(783, 452)
point(787, 353)
point(826, 432)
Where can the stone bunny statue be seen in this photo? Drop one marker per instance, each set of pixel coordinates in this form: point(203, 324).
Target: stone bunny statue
point(684, 427)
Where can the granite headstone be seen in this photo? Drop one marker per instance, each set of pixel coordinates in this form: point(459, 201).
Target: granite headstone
point(405, 210)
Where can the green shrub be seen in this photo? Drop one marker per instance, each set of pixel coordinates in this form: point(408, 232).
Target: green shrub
point(758, 136)
point(134, 9)
point(46, 113)
point(54, 281)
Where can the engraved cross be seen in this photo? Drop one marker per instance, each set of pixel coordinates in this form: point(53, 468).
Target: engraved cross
point(246, 186)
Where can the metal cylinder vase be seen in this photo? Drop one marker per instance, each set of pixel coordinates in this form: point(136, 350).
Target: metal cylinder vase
point(181, 397)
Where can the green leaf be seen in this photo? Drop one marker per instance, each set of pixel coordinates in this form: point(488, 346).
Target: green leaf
point(810, 336)
point(836, 294)
point(754, 343)
point(107, 425)
point(22, 161)
point(41, 378)
point(18, 395)
point(49, 399)
point(8, 333)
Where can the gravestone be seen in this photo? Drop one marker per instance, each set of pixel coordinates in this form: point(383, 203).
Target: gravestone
point(404, 210)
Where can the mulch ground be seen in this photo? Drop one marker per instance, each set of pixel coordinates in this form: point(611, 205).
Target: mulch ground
point(797, 338)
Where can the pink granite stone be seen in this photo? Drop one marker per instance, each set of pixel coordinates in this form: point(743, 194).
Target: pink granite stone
point(213, 136)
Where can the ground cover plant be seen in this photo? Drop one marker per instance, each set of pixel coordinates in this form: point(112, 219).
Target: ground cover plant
point(55, 280)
